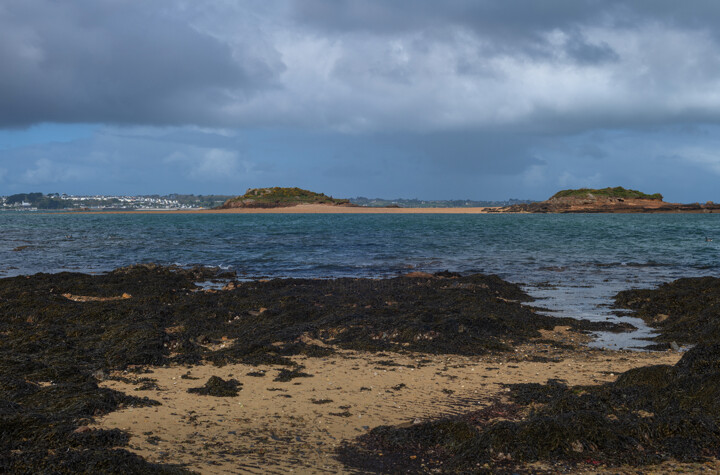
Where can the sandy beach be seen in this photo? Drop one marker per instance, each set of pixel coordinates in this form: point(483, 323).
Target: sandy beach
point(296, 426)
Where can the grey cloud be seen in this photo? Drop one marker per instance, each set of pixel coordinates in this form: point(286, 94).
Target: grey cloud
point(556, 66)
point(468, 151)
point(117, 62)
point(486, 15)
point(509, 26)
point(582, 51)
point(519, 17)
point(505, 27)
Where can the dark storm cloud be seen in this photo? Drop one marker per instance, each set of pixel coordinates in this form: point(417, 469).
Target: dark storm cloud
point(512, 18)
point(510, 26)
point(358, 66)
point(490, 16)
point(117, 61)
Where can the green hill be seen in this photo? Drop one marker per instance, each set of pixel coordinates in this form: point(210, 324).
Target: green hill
point(617, 192)
point(277, 197)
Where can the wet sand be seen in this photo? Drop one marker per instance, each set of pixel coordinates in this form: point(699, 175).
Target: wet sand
point(296, 426)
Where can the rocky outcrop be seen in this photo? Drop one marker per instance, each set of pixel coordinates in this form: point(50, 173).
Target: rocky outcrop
point(277, 197)
point(588, 202)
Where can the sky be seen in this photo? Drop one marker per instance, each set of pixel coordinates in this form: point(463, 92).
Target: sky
point(459, 99)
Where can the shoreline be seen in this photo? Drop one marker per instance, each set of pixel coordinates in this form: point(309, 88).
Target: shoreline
point(302, 374)
point(299, 209)
point(328, 209)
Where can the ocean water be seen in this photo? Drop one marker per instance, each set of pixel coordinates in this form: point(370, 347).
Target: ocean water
point(573, 264)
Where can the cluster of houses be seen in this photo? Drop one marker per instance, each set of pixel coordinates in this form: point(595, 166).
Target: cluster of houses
point(100, 202)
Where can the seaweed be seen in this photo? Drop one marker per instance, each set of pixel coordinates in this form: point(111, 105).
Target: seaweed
point(344, 413)
point(648, 415)
point(321, 401)
point(218, 387)
point(285, 375)
point(685, 311)
point(54, 348)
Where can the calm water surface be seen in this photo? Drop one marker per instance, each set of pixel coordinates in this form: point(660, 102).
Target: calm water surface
point(572, 263)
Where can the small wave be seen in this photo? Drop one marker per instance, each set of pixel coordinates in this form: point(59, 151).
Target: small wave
point(631, 264)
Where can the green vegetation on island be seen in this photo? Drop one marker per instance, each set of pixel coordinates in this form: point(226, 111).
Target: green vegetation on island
point(37, 200)
point(277, 197)
point(617, 192)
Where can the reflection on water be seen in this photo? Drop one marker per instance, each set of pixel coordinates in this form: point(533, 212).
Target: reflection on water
point(592, 302)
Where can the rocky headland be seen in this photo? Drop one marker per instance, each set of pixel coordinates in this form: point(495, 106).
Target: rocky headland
point(608, 200)
point(277, 197)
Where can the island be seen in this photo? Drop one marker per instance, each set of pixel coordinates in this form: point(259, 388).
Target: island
point(293, 200)
point(277, 197)
point(608, 200)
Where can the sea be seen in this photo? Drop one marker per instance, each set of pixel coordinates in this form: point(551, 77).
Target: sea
point(572, 265)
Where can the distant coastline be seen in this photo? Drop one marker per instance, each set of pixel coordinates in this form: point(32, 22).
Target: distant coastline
point(329, 209)
point(299, 201)
point(300, 209)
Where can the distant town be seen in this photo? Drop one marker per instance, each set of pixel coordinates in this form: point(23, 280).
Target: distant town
point(62, 201)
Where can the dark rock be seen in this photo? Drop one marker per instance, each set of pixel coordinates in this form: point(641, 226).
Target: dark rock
point(285, 375)
point(218, 387)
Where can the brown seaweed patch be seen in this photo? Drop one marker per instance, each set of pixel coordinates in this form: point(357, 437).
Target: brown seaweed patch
point(218, 387)
point(684, 311)
point(321, 401)
point(285, 375)
point(647, 416)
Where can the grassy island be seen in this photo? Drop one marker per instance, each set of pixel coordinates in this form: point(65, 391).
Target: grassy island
point(617, 192)
point(277, 197)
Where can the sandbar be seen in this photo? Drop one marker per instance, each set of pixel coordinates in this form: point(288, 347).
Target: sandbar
point(302, 209)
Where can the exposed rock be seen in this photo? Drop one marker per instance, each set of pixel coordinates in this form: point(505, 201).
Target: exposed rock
point(218, 387)
point(609, 200)
point(277, 197)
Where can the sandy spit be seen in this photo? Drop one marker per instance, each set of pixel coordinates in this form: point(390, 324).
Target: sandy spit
point(303, 209)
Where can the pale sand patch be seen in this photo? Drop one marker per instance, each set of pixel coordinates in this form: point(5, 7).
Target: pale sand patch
point(86, 298)
point(274, 427)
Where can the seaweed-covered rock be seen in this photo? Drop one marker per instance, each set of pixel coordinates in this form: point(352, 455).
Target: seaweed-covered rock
point(686, 311)
point(60, 333)
point(646, 416)
point(218, 387)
